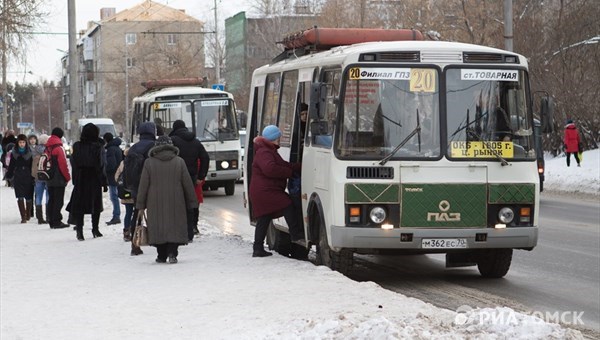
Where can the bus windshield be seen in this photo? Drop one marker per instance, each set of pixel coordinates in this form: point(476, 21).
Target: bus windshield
point(487, 114)
point(215, 120)
point(382, 107)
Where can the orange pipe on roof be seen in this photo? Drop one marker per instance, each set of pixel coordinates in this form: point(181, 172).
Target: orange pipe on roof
point(325, 38)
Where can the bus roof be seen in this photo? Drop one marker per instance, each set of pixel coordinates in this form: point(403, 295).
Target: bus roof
point(441, 52)
point(178, 91)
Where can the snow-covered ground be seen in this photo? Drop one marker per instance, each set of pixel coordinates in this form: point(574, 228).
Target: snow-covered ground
point(54, 287)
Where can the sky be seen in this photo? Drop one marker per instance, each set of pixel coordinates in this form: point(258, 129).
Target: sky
point(44, 53)
point(55, 287)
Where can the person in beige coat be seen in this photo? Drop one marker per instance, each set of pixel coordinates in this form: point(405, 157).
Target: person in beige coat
point(166, 192)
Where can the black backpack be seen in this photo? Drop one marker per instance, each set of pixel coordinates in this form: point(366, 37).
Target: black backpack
point(132, 170)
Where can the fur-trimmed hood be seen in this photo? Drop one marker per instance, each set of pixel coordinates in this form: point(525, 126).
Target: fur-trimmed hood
point(164, 152)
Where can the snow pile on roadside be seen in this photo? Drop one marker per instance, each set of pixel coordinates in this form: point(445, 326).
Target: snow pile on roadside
point(573, 179)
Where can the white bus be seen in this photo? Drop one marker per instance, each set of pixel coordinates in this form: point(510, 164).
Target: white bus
point(210, 114)
point(410, 147)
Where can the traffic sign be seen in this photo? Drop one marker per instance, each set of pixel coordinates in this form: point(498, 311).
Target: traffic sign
point(23, 125)
point(220, 87)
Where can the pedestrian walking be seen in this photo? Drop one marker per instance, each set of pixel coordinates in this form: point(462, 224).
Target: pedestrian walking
point(88, 180)
point(8, 143)
point(56, 185)
point(40, 186)
point(19, 173)
point(267, 189)
point(114, 156)
point(192, 151)
point(572, 142)
point(133, 165)
point(127, 202)
point(165, 193)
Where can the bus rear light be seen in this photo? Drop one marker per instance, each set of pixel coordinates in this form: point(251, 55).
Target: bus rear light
point(541, 170)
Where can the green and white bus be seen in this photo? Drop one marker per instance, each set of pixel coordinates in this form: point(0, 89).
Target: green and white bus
point(411, 147)
point(209, 113)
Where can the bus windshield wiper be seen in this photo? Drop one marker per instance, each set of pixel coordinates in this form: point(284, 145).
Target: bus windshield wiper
point(467, 123)
point(417, 130)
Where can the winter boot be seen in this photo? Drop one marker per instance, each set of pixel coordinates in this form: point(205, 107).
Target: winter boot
point(126, 235)
point(259, 251)
point(136, 250)
point(39, 214)
point(22, 210)
point(79, 230)
point(29, 206)
point(96, 232)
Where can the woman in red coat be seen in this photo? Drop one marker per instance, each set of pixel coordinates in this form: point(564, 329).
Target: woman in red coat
point(571, 141)
point(267, 189)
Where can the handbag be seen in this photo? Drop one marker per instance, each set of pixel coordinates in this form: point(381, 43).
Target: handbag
point(140, 234)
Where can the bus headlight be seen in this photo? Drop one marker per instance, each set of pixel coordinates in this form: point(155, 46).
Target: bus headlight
point(225, 165)
point(377, 215)
point(506, 215)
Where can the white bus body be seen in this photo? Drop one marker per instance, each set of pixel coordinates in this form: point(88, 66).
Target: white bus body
point(411, 147)
point(210, 114)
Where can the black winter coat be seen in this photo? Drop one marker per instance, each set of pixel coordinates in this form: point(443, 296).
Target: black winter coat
point(20, 172)
point(88, 178)
point(191, 150)
point(114, 156)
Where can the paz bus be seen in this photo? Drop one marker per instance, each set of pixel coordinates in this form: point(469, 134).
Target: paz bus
point(209, 114)
point(411, 147)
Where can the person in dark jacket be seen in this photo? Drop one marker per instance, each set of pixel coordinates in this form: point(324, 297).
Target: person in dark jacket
point(147, 136)
point(114, 156)
point(571, 141)
point(192, 151)
point(166, 191)
point(88, 180)
point(56, 185)
point(19, 171)
point(9, 139)
point(267, 189)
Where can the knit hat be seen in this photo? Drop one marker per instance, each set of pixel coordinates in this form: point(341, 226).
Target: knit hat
point(178, 124)
point(271, 132)
point(43, 138)
point(164, 140)
point(58, 132)
point(108, 137)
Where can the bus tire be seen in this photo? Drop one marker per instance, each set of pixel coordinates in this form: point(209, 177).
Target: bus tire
point(494, 263)
point(339, 261)
point(279, 241)
point(230, 188)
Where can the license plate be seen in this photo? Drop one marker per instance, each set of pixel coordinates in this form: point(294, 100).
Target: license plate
point(444, 243)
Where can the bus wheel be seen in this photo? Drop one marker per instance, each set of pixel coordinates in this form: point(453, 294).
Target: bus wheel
point(339, 261)
point(494, 263)
point(230, 188)
point(279, 241)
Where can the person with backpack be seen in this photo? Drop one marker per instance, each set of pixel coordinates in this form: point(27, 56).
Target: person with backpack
point(56, 185)
point(114, 155)
point(19, 172)
point(40, 186)
point(166, 191)
point(133, 165)
point(192, 151)
point(127, 201)
point(88, 180)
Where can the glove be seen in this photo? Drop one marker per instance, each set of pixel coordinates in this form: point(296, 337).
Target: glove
point(104, 188)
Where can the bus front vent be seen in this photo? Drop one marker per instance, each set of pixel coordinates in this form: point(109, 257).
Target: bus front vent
point(476, 57)
point(366, 172)
point(398, 56)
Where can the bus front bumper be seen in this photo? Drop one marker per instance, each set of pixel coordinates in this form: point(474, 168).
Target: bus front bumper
point(223, 175)
point(373, 238)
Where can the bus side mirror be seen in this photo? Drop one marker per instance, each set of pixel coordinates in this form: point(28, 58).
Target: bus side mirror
point(547, 114)
point(318, 100)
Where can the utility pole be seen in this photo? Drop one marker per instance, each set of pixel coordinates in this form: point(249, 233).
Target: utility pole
point(4, 91)
point(73, 65)
point(508, 25)
point(218, 47)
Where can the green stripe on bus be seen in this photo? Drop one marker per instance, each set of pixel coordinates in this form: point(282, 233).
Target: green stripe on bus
point(357, 193)
point(511, 193)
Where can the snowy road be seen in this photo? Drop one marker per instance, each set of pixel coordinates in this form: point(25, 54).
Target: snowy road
point(560, 274)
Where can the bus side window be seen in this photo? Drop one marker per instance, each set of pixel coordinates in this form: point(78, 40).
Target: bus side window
point(325, 138)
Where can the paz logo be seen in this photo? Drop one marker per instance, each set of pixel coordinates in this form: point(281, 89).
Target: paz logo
point(443, 215)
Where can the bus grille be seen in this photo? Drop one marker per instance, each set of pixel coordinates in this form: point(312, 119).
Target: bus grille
point(399, 56)
point(369, 172)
